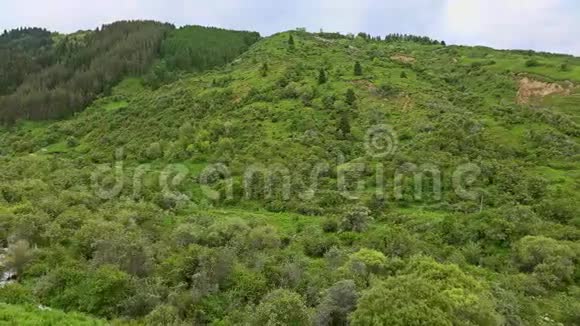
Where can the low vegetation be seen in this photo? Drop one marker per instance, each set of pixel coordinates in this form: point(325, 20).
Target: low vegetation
point(276, 184)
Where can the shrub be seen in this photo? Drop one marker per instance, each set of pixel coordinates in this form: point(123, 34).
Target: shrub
point(15, 293)
point(356, 219)
point(282, 307)
point(532, 63)
point(330, 225)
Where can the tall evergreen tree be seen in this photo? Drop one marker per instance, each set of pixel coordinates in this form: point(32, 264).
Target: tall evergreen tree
point(358, 69)
point(321, 77)
point(291, 43)
point(344, 125)
point(264, 70)
point(350, 96)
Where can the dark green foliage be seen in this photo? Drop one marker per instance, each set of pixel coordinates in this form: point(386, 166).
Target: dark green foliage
point(83, 72)
point(321, 76)
point(532, 63)
point(291, 44)
point(411, 38)
point(350, 97)
point(403, 74)
point(358, 71)
point(364, 36)
point(332, 36)
point(264, 69)
point(197, 48)
point(23, 52)
point(340, 300)
point(343, 125)
point(68, 76)
point(330, 225)
point(159, 75)
point(356, 219)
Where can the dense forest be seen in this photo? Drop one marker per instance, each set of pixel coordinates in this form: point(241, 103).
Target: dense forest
point(196, 49)
point(23, 52)
point(220, 178)
point(46, 76)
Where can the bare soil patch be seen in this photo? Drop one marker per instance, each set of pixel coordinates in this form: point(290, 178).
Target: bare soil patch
point(403, 58)
point(530, 89)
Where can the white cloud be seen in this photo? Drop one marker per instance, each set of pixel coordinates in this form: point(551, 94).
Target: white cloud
point(537, 24)
point(342, 15)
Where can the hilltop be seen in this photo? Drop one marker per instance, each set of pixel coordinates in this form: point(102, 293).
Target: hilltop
point(295, 179)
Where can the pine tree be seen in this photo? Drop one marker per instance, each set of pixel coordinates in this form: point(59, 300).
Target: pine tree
point(291, 41)
point(321, 77)
point(264, 70)
point(344, 125)
point(350, 97)
point(358, 69)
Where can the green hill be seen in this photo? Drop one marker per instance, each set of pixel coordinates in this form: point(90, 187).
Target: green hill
point(17, 315)
point(305, 178)
point(46, 77)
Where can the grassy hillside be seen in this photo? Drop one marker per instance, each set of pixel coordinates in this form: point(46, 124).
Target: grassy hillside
point(29, 316)
point(286, 188)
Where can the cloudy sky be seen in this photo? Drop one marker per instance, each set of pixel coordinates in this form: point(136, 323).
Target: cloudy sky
point(524, 24)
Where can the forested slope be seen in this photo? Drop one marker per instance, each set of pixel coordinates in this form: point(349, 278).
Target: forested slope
point(23, 52)
point(50, 76)
point(315, 179)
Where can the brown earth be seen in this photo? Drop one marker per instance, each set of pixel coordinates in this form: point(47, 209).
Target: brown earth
point(403, 58)
point(530, 89)
point(405, 102)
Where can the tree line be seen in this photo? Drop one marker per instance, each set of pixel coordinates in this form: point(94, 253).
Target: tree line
point(393, 37)
point(23, 51)
point(195, 49)
point(83, 71)
point(46, 79)
point(412, 38)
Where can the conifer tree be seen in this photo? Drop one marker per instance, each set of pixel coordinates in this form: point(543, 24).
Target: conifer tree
point(321, 77)
point(264, 70)
point(291, 42)
point(358, 69)
point(350, 96)
point(344, 125)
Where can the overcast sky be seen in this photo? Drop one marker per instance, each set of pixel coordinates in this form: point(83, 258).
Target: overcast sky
point(523, 24)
